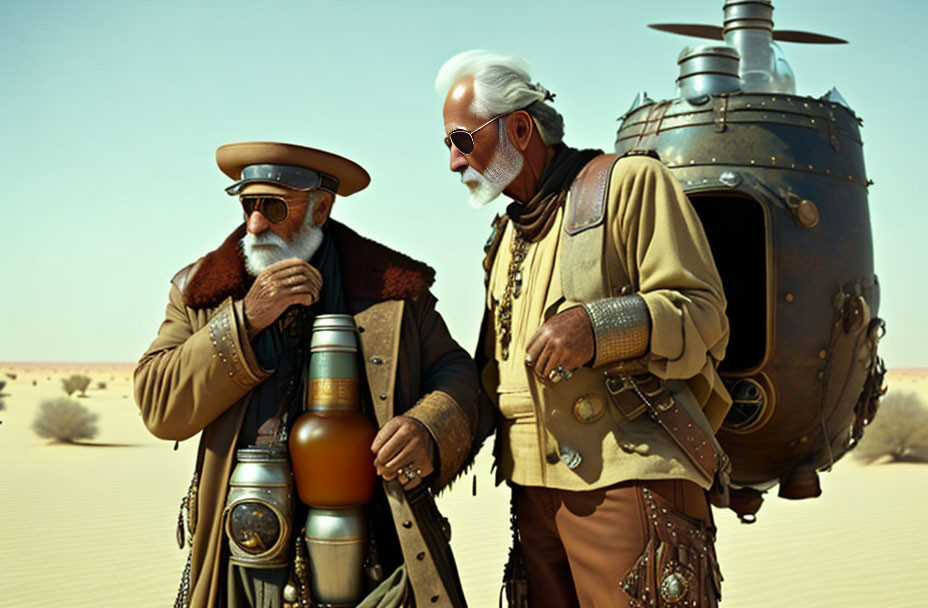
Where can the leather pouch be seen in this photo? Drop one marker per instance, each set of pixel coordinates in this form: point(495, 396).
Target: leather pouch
point(678, 566)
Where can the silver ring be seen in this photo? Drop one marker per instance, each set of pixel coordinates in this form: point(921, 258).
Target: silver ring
point(410, 472)
point(559, 373)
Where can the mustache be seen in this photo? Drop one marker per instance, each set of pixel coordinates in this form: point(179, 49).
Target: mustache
point(265, 239)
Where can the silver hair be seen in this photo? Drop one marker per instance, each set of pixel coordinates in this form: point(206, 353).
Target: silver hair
point(502, 85)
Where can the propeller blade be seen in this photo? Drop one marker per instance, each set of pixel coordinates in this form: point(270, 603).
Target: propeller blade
point(712, 32)
point(806, 37)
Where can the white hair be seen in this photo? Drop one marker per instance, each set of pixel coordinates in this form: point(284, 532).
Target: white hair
point(502, 85)
point(262, 250)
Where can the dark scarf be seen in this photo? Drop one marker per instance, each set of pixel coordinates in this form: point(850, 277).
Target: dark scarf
point(284, 346)
point(534, 219)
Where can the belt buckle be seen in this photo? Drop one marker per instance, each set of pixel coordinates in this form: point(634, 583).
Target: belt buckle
point(612, 384)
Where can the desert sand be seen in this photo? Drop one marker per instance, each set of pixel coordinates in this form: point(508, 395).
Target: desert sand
point(93, 525)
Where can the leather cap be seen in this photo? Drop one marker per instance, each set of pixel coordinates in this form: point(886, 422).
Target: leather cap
point(232, 158)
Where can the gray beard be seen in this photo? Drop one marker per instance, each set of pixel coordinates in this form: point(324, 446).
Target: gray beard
point(499, 173)
point(267, 248)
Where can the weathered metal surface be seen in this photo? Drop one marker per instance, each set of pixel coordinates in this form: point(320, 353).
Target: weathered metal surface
point(780, 184)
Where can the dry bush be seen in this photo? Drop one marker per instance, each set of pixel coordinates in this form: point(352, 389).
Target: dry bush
point(101, 386)
point(65, 420)
point(2, 405)
point(75, 382)
point(2, 384)
point(11, 376)
point(899, 431)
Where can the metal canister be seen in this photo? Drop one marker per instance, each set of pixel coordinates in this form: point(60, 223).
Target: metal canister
point(330, 447)
point(708, 70)
point(258, 508)
point(337, 542)
point(333, 365)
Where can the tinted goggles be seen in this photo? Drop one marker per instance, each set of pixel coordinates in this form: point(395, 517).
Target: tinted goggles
point(463, 140)
point(297, 178)
point(275, 208)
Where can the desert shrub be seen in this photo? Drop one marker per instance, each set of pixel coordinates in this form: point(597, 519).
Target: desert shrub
point(64, 420)
point(101, 386)
point(2, 384)
point(11, 376)
point(75, 382)
point(2, 405)
point(898, 431)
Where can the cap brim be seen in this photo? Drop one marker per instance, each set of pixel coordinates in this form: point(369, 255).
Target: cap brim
point(232, 158)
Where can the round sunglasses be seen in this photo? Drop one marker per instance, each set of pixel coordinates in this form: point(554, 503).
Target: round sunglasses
point(463, 140)
point(275, 208)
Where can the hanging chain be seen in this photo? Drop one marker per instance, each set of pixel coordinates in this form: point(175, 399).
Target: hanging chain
point(517, 250)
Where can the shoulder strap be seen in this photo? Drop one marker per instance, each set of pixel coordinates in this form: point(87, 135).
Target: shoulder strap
point(587, 197)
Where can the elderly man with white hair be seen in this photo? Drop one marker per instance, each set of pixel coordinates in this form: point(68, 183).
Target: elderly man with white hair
point(605, 322)
point(231, 362)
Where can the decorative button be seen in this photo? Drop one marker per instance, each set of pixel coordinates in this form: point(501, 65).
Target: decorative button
point(552, 458)
point(589, 409)
point(673, 587)
point(376, 360)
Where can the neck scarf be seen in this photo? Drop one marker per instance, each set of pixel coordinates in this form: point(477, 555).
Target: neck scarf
point(533, 219)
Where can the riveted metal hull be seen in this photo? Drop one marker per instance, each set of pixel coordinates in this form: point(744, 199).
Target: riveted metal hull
point(780, 185)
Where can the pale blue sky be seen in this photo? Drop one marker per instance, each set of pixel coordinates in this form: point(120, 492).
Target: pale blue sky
point(110, 114)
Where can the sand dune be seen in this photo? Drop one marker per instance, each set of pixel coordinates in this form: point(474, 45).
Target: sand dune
point(94, 526)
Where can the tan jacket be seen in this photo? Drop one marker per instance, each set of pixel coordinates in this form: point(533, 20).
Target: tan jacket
point(652, 243)
point(198, 374)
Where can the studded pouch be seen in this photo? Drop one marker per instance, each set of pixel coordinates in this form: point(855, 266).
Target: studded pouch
point(678, 566)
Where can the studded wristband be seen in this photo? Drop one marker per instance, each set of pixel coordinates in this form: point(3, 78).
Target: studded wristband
point(621, 326)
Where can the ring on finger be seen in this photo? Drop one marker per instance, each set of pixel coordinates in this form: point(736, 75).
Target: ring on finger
point(559, 374)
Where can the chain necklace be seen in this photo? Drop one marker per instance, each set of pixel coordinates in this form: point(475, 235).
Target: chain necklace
point(517, 250)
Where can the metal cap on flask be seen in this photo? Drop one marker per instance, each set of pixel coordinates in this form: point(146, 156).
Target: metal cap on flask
point(333, 367)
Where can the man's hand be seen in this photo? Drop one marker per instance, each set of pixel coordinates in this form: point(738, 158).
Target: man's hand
point(278, 287)
point(565, 340)
point(404, 449)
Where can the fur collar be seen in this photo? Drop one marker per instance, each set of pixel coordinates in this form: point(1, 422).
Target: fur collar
point(370, 271)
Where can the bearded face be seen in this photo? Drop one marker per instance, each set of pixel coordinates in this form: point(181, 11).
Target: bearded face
point(503, 168)
point(262, 250)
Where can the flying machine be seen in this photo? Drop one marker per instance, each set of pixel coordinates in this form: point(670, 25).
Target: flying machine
point(778, 180)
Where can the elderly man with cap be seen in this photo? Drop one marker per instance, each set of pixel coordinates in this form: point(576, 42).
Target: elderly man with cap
point(230, 362)
point(605, 321)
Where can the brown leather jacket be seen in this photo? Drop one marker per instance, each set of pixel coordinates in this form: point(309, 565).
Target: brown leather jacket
point(198, 374)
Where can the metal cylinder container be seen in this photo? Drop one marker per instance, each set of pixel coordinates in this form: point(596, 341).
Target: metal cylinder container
point(337, 543)
point(333, 367)
point(258, 508)
point(708, 70)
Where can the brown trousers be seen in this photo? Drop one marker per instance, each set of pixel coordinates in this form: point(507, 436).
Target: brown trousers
point(579, 547)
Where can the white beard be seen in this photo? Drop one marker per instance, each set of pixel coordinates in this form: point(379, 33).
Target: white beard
point(503, 167)
point(267, 248)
